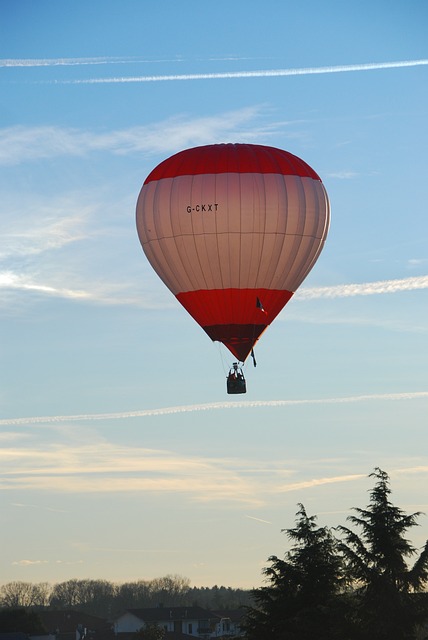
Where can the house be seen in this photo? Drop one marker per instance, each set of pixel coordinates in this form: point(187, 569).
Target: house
point(75, 625)
point(229, 622)
point(192, 621)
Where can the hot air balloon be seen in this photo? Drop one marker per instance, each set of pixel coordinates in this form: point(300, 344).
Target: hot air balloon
point(233, 230)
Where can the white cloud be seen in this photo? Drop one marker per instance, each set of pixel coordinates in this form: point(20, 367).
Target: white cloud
point(24, 144)
point(109, 293)
point(20, 282)
point(95, 292)
point(50, 245)
point(33, 225)
point(54, 223)
point(106, 468)
point(28, 563)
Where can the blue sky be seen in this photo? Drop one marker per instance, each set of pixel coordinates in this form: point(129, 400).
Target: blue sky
point(122, 456)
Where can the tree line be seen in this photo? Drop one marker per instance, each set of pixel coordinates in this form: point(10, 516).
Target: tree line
point(108, 599)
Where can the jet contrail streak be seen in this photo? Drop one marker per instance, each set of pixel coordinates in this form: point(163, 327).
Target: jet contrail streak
point(269, 73)
point(65, 62)
point(13, 281)
point(249, 404)
point(365, 288)
point(72, 62)
point(259, 519)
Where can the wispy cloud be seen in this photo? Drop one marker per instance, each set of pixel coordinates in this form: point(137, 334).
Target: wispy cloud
point(19, 282)
point(118, 294)
point(342, 175)
point(108, 468)
point(264, 73)
point(317, 482)
point(23, 144)
point(417, 262)
point(10, 435)
point(53, 223)
point(36, 224)
point(28, 563)
point(243, 404)
point(21, 505)
point(28, 288)
point(103, 467)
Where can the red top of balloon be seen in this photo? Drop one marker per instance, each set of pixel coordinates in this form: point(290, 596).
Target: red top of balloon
point(232, 158)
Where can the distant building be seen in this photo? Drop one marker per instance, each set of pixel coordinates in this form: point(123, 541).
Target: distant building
point(195, 622)
point(229, 624)
point(75, 625)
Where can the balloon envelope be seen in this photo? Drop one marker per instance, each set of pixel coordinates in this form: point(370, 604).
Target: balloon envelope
point(233, 230)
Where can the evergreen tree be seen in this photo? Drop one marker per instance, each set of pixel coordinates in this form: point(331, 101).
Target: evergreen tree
point(387, 607)
point(301, 600)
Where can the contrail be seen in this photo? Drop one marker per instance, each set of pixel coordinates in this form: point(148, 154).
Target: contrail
point(67, 62)
point(365, 288)
point(72, 62)
point(259, 519)
point(13, 281)
point(269, 73)
point(248, 404)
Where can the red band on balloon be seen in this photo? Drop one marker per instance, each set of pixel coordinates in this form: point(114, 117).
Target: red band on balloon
point(235, 317)
point(232, 158)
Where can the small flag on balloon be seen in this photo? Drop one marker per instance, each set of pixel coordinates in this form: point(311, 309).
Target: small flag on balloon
point(253, 357)
point(260, 306)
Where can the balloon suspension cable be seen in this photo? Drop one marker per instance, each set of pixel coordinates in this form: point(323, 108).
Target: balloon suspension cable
point(221, 349)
